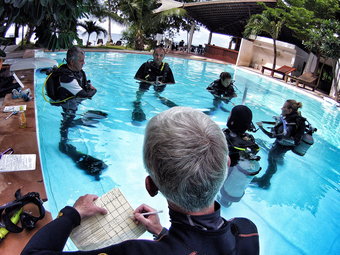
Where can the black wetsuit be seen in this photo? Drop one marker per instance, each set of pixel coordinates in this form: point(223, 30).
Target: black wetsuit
point(217, 89)
point(74, 89)
point(286, 139)
point(240, 141)
point(206, 234)
point(149, 71)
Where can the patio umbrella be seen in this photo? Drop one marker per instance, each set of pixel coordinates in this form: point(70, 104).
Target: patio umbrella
point(167, 5)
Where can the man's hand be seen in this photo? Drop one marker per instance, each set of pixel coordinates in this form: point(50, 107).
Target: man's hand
point(260, 124)
point(86, 207)
point(150, 222)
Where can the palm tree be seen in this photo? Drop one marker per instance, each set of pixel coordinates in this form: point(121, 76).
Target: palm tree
point(91, 27)
point(139, 19)
point(269, 22)
point(143, 22)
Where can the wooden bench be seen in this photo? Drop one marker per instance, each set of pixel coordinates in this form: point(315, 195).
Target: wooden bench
point(306, 79)
point(283, 70)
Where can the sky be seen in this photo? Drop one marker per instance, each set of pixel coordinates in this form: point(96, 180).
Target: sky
point(200, 37)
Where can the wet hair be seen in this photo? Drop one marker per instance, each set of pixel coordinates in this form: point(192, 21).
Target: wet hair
point(186, 154)
point(225, 75)
point(240, 119)
point(73, 54)
point(292, 104)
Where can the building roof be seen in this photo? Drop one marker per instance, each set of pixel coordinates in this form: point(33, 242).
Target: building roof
point(229, 17)
point(225, 17)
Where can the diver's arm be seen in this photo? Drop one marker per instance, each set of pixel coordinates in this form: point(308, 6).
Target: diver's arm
point(145, 81)
point(213, 92)
point(86, 94)
point(229, 93)
point(169, 77)
point(269, 134)
point(301, 127)
point(53, 236)
point(142, 74)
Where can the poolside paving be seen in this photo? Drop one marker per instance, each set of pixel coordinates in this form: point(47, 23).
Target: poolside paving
point(23, 141)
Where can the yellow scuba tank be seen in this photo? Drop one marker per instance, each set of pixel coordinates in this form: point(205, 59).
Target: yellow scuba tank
point(306, 142)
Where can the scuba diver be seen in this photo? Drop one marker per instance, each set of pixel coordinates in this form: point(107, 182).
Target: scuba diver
point(291, 133)
point(222, 90)
point(67, 86)
point(156, 73)
point(242, 152)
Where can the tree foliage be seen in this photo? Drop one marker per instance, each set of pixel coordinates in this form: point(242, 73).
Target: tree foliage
point(269, 22)
point(142, 23)
point(314, 22)
point(54, 21)
point(91, 27)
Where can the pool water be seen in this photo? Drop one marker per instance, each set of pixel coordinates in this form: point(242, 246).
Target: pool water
point(299, 214)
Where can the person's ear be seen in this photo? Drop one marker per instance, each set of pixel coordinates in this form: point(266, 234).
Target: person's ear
point(151, 186)
point(229, 161)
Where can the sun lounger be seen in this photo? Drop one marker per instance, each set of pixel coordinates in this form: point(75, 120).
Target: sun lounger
point(283, 70)
point(305, 79)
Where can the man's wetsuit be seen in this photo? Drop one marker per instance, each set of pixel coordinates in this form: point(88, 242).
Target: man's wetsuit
point(74, 88)
point(236, 141)
point(149, 71)
point(217, 88)
point(206, 234)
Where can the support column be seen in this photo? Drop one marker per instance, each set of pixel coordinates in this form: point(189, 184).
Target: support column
point(191, 35)
point(210, 36)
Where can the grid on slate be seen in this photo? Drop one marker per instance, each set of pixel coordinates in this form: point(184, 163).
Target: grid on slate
point(117, 226)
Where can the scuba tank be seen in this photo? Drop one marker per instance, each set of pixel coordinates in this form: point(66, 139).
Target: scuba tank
point(240, 173)
point(306, 142)
point(239, 178)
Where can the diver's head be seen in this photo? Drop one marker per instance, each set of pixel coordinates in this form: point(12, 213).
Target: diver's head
point(158, 55)
point(290, 106)
point(240, 119)
point(225, 78)
point(75, 58)
point(186, 155)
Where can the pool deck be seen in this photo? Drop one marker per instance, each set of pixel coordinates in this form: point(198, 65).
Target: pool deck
point(24, 141)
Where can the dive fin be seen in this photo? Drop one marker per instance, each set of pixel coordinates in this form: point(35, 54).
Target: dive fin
point(95, 114)
point(88, 122)
point(167, 102)
point(138, 113)
point(224, 109)
point(91, 165)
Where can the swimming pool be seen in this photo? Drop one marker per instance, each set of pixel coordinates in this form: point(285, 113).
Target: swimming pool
point(299, 214)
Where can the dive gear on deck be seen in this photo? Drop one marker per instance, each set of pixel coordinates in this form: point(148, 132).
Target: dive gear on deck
point(13, 212)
